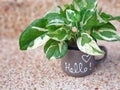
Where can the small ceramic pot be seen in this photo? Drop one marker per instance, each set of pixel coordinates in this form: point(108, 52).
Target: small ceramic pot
point(79, 64)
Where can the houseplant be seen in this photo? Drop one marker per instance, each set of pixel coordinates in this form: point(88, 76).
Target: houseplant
point(79, 22)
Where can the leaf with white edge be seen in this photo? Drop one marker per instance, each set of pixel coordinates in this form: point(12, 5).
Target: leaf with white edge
point(38, 42)
point(53, 28)
point(39, 28)
point(56, 22)
point(116, 18)
point(61, 34)
point(72, 15)
point(55, 49)
point(106, 32)
point(99, 18)
point(59, 10)
point(34, 31)
point(87, 45)
point(90, 19)
point(69, 6)
point(55, 19)
point(108, 17)
point(89, 4)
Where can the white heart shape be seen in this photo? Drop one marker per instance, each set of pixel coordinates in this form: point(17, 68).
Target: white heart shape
point(86, 58)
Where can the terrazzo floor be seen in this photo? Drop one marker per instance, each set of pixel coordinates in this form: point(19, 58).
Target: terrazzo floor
point(30, 70)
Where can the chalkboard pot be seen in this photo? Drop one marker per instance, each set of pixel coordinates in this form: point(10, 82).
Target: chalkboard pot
point(79, 64)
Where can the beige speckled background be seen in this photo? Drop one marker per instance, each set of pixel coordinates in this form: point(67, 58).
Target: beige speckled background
point(30, 70)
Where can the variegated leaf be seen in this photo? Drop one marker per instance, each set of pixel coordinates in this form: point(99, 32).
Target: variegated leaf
point(56, 22)
point(87, 45)
point(99, 18)
point(89, 4)
point(90, 18)
point(108, 17)
point(72, 15)
point(55, 19)
point(59, 10)
point(38, 42)
point(39, 28)
point(55, 49)
point(106, 32)
point(32, 34)
point(61, 34)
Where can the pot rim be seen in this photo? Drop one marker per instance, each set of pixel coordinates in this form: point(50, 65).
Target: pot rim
point(73, 48)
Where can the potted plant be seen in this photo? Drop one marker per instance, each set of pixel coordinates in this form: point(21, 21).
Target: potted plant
point(71, 33)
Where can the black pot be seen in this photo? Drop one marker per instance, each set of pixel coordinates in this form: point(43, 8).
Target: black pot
point(78, 64)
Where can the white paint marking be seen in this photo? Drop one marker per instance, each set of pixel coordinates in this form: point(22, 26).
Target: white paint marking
point(77, 68)
point(86, 58)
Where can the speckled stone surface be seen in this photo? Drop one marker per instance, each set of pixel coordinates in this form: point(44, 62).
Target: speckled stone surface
point(30, 70)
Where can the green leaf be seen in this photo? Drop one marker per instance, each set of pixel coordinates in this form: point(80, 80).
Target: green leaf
point(89, 4)
point(58, 10)
point(53, 28)
point(61, 34)
point(100, 19)
point(72, 15)
point(55, 49)
point(38, 42)
point(108, 17)
point(69, 6)
point(56, 22)
point(32, 37)
point(90, 46)
point(85, 39)
point(116, 18)
point(90, 19)
point(106, 32)
point(55, 19)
